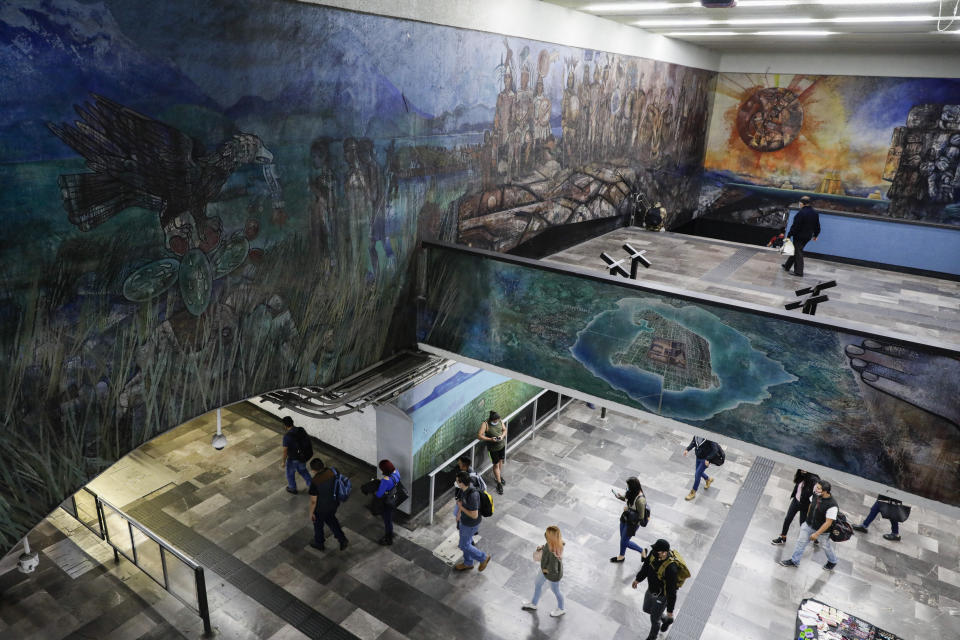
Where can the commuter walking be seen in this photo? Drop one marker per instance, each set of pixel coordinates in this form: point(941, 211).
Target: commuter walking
point(323, 505)
point(493, 431)
point(891, 509)
point(463, 464)
point(703, 449)
point(391, 478)
point(297, 450)
point(662, 573)
point(803, 483)
point(820, 516)
point(633, 512)
point(470, 518)
point(806, 226)
point(551, 570)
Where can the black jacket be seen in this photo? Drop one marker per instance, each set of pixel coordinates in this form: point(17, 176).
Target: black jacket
point(706, 449)
point(808, 480)
point(806, 224)
point(817, 513)
point(648, 570)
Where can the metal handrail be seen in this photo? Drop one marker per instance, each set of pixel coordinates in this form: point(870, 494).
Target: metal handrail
point(202, 606)
point(508, 446)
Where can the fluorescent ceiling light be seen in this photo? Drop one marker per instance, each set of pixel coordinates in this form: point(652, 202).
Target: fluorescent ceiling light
point(760, 21)
point(704, 34)
point(867, 19)
point(677, 22)
point(793, 33)
point(632, 7)
point(749, 21)
point(827, 3)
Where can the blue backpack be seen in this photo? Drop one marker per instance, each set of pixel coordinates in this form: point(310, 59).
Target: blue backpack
point(341, 487)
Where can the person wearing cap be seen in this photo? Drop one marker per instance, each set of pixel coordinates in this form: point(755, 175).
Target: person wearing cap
point(391, 477)
point(494, 432)
point(806, 226)
point(662, 593)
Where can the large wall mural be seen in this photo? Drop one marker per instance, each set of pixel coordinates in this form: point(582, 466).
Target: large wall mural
point(206, 201)
point(877, 408)
point(885, 147)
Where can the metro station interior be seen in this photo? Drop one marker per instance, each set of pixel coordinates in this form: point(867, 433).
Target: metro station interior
point(385, 221)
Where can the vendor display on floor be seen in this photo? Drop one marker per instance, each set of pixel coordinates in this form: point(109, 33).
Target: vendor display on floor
point(823, 622)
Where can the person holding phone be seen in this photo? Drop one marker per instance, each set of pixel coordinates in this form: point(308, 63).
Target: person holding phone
point(633, 512)
point(493, 431)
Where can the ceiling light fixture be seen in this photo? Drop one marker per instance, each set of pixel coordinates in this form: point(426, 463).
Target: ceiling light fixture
point(804, 33)
point(869, 19)
point(735, 22)
point(701, 34)
point(632, 7)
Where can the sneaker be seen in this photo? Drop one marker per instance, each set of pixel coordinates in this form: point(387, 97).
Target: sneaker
point(529, 606)
point(343, 544)
point(778, 540)
point(891, 537)
point(829, 566)
point(462, 567)
point(556, 613)
point(483, 565)
point(691, 495)
point(859, 527)
point(318, 547)
point(293, 491)
point(708, 483)
point(500, 488)
point(385, 541)
point(788, 563)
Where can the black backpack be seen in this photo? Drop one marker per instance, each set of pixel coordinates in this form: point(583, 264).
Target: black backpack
point(841, 531)
point(302, 444)
point(717, 457)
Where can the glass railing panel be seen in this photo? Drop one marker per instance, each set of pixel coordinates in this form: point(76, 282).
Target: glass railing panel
point(148, 555)
point(119, 531)
point(181, 579)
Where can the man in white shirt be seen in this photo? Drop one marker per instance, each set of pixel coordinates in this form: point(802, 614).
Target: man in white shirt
point(823, 511)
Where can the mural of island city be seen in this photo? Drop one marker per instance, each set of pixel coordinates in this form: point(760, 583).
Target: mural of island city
point(194, 217)
point(885, 147)
point(879, 409)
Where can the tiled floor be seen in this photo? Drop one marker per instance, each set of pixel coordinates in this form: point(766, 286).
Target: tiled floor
point(234, 499)
point(912, 305)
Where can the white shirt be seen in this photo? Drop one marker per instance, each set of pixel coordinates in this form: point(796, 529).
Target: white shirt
point(832, 513)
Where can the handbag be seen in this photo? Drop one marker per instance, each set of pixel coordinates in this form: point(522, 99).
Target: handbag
point(787, 248)
point(650, 600)
point(396, 496)
point(537, 554)
point(894, 511)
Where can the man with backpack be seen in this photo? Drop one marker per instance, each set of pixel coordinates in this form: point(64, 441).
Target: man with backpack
point(707, 452)
point(297, 451)
point(821, 515)
point(665, 572)
point(463, 464)
point(470, 517)
point(323, 504)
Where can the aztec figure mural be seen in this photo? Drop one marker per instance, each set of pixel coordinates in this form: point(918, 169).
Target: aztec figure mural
point(873, 407)
point(196, 218)
point(885, 147)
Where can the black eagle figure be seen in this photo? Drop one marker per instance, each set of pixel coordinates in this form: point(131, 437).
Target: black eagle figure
point(138, 161)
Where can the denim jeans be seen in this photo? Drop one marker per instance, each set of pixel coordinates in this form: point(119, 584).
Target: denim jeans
point(293, 468)
point(388, 520)
point(554, 586)
point(625, 541)
point(470, 553)
point(700, 473)
point(825, 543)
point(328, 518)
point(874, 512)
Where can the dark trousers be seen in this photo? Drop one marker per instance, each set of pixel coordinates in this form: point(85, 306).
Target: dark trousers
point(388, 521)
point(796, 260)
point(328, 518)
point(659, 606)
point(792, 511)
point(874, 512)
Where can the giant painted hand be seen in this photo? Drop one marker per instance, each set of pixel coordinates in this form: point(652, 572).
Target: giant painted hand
point(925, 380)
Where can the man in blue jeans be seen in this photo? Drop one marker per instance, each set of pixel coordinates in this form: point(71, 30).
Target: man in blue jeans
point(894, 534)
point(703, 449)
point(292, 462)
point(469, 506)
point(823, 511)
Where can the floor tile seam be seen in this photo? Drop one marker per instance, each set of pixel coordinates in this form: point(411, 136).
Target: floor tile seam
point(244, 578)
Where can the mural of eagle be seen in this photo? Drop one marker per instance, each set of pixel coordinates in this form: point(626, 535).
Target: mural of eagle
point(138, 161)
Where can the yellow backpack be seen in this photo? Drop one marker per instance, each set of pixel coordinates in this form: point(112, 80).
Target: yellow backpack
point(682, 571)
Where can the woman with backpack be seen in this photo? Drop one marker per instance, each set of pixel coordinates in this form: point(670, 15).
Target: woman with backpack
point(391, 478)
point(633, 512)
point(550, 557)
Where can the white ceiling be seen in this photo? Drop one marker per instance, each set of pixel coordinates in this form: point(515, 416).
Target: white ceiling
point(908, 26)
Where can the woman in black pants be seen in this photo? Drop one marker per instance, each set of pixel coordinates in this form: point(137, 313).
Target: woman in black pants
point(803, 483)
point(632, 513)
point(390, 479)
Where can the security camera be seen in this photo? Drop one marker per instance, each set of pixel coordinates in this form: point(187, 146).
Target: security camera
point(28, 562)
point(219, 441)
